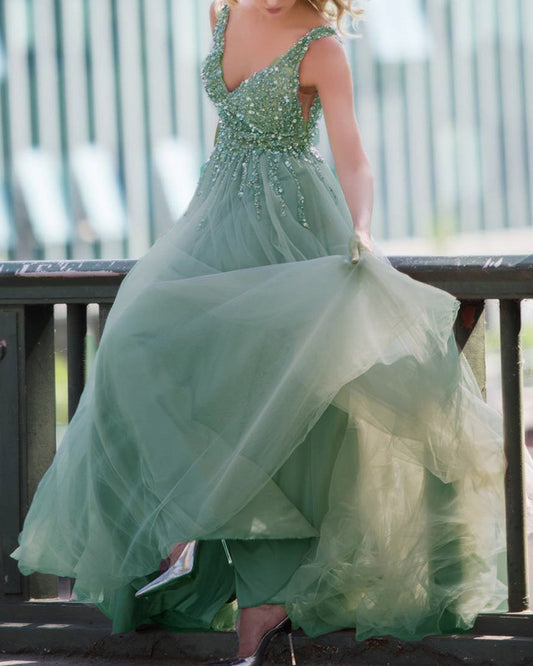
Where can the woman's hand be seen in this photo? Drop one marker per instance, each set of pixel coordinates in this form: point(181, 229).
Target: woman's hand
point(359, 243)
point(365, 241)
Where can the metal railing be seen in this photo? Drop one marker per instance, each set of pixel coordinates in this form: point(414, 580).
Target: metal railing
point(30, 289)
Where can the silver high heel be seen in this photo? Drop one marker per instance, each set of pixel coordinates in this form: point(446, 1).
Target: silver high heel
point(181, 567)
point(256, 659)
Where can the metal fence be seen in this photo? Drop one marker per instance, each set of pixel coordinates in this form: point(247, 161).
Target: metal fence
point(28, 292)
point(104, 123)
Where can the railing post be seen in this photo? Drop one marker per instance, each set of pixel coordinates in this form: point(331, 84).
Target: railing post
point(511, 364)
point(40, 415)
point(469, 332)
point(103, 311)
point(11, 459)
point(76, 333)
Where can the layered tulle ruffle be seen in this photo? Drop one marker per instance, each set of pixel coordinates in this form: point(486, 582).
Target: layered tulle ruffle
point(222, 351)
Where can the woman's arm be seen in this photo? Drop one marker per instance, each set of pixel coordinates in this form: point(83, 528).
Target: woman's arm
point(326, 67)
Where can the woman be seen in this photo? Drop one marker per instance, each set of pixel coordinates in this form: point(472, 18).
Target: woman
point(268, 387)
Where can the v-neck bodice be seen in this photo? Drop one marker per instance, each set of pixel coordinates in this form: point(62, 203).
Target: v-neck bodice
point(263, 143)
point(308, 36)
point(263, 111)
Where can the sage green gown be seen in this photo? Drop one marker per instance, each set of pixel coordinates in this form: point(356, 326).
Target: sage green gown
point(253, 385)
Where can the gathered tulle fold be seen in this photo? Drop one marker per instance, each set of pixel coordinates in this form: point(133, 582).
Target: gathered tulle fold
point(400, 551)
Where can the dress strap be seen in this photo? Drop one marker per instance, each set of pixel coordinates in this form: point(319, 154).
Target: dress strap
point(320, 31)
point(222, 18)
point(300, 49)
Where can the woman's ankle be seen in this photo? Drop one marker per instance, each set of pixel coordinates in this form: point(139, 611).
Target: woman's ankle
point(173, 556)
point(176, 552)
point(254, 623)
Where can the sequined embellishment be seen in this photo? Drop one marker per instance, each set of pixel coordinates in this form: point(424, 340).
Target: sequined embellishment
point(261, 125)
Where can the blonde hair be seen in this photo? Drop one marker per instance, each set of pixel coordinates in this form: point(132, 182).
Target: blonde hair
point(331, 10)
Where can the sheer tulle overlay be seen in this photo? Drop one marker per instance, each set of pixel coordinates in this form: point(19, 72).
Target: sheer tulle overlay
point(228, 343)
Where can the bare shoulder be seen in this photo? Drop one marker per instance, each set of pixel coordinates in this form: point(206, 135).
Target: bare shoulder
point(329, 51)
point(325, 60)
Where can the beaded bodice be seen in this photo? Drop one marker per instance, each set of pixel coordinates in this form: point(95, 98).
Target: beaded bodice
point(263, 144)
point(263, 112)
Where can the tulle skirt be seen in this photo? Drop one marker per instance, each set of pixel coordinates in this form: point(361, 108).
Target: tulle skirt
point(201, 419)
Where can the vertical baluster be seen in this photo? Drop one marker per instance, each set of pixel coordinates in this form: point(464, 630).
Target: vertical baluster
point(13, 487)
point(511, 364)
point(76, 332)
point(39, 416)
point(103, 311)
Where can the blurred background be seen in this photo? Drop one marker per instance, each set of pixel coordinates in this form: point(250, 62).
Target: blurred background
point(104, 124)
point(104, 127)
